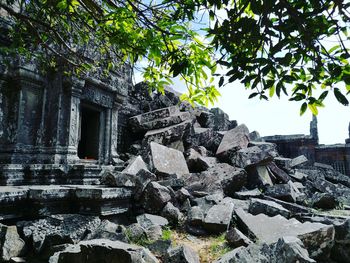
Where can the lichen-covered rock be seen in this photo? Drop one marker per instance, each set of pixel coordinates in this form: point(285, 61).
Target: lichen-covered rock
point(172, 213)
point(167, 161)
point(148, 220)
point(218, 218)
point(182, 254)
point(108, 230)
point(259, 153)
point(93, 251)
point(155, 197)
point(270, 208)
point(236, 238)
point(135, 166)
point(59, 229)
point(11, 245)
point(220, 178)
point(233, 141)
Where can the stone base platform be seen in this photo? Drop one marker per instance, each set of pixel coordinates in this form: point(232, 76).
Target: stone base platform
point(84, 173)
point(43, 200)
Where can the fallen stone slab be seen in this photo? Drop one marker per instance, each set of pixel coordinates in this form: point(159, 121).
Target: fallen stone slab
point(218, 218)
point(323, 201)
point(247, 194)
point(270, 208)
point(159, 123)
point(198, 163)
point(11, 245)
point(278, 173)
point(136, 123)
point(315, 236)
point(108, 230)
point(260, 153)
point(259, 177)
point(206, 137)
point(299, 161)
point(167, 161)
point(219, 178)
point(117, 179)
point(286, 249)
point(135, 166)
point(58, 229)
point(233, 140)
point(149, 220)
point(93, 251)
point(236, 238)
point(169, 135)
point(283, 192)
point(182, 254)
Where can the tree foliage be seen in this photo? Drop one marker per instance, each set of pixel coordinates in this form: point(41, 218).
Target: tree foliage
point(295, 47)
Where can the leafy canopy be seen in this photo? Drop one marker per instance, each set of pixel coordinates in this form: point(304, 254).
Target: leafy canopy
point(296, 47)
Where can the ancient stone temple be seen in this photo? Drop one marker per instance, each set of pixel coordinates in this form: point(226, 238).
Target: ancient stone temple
point(53, 122)
point(336, 155)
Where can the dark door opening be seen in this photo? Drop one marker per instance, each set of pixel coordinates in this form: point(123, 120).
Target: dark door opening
point(88, 147)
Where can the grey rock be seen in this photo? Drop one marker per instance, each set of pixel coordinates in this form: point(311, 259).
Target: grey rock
point(173, 134)
point(341, 249)
point(160, 247)
point(92, 251)
point(219, 178)
point(286, 249)
point(324, 201)
point(11, 245)
point(135, 166)
point(247, 194)
point(283, 192)
point(233, 140)
point(182, 195)
point(299, 161)
point(281, 175)
point(218, 218)
point(155, 197)
point(195, 216)
point(182, 254)
point(142, 179)
point(154, 233)
point(259, 154)
point(198, 163)
point(206, 137)
point(283, 163)
point(135, 232)
point(148, 220)
point(174, 183)
point(290, 249)
point(172, 213)
point(259, 176)
point(236, 238)
point(117, 179)
point(206, 202)
point(167, 161)
point(254, 136)
point(59, 229)
point(108, 230)
point(270, 208)
point(316, 237)
point(144, 121)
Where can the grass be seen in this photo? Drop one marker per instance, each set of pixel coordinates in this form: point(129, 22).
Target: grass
point(209, 248)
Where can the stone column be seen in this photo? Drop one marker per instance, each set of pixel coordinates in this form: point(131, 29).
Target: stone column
point(74, 122)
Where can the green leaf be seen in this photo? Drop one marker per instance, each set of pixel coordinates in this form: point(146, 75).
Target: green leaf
point(221, 81)
point(313, 109)
point(340, 97)
point(303, 108)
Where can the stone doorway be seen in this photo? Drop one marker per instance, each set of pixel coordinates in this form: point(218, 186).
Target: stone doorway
point(89, 139)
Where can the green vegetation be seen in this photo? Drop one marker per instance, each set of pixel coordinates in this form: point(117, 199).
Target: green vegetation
point(292, 47)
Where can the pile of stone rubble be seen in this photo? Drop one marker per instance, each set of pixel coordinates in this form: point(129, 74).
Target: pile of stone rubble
point(194, 170)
